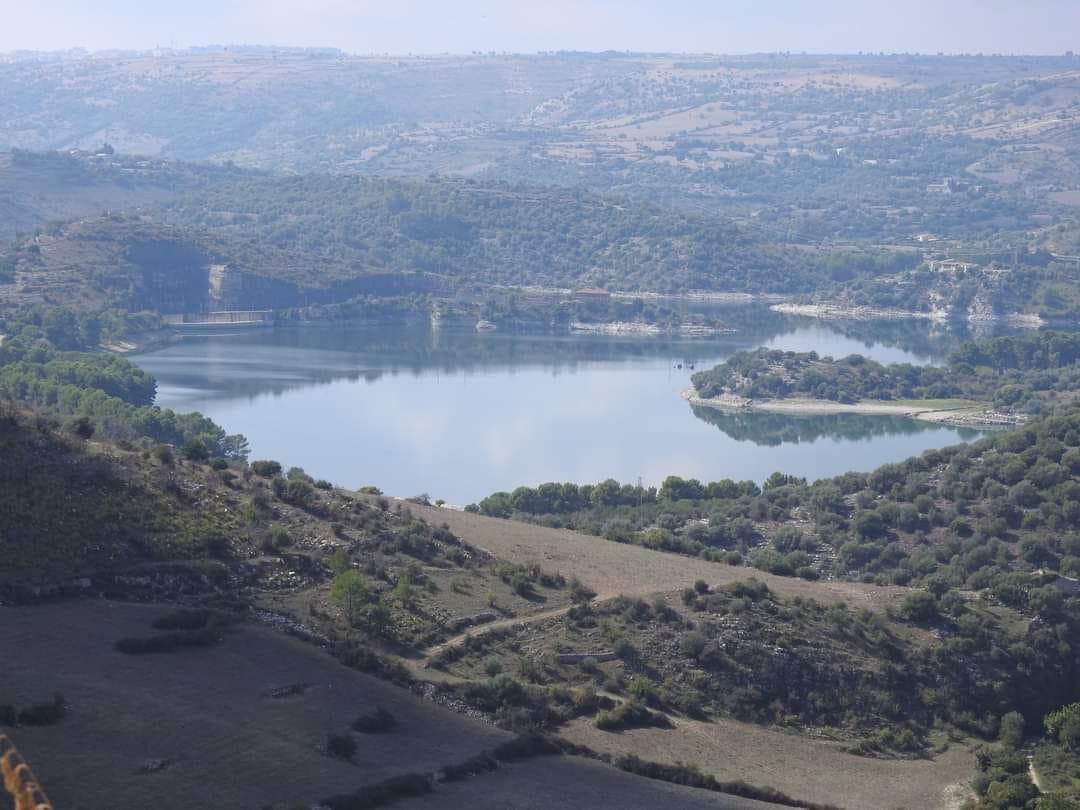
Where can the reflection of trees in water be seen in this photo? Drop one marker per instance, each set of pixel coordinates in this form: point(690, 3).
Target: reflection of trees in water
point(259, 362)
point(774, 429)
point(924, 339)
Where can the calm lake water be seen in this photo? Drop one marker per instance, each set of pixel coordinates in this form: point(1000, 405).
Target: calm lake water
point(458, 415)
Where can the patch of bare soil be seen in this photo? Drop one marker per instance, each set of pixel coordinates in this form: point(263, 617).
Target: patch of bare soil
point(239, 724)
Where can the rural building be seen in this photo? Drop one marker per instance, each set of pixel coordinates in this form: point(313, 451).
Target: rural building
point(952, 266)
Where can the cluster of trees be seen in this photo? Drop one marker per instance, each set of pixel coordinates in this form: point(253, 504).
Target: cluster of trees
point(982, 516)
point(568, 498)
point(97, 392)
point(1029, 371)
point(773, 374)
point(501, 233)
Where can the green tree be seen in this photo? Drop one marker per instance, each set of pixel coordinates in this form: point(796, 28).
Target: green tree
point(350, 592)
point(1011, 731)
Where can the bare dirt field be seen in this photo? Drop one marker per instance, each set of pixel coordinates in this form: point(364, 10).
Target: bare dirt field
point(566, 782)
point(203, 727)
point(612, 569)
point(812, 770)
point(206, 713)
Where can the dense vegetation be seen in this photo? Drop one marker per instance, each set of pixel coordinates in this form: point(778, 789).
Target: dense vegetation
point(494, 233)
point(96, 392)
point(1030, 371)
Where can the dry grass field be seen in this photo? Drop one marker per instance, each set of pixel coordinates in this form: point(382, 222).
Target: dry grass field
point(612, 569)
point(813, 770)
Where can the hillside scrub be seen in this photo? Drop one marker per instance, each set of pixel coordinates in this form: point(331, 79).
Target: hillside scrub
point(113, 395)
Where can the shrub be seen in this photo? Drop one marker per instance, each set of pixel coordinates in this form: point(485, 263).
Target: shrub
point(630, 714)
point(279, 537)
point(753, 589)
point(579, 592)
point(376, 722)
point(525, 747)
point(341, 746)
point(219, 464)
point(381, 793)
point(266, 469)
point(919, 607)
point(196, 450)
point(623, 648)
point(1011, 732)
point(300, 492)
point(693, 644)
point(279, 486)
point(183, 619)
point(166, 642)
point(43, 714)
point(164, 454)
point(82, 427)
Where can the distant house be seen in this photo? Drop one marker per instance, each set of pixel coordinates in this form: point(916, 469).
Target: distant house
point(952, 266)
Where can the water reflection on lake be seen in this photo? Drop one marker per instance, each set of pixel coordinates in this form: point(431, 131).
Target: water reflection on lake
point(458, 414)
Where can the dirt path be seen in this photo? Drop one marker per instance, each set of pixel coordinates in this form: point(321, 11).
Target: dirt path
point(612, 569)
point(480, 630)
point(1034, 773)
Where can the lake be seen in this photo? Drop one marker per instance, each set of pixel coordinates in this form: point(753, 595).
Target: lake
point(458, 414)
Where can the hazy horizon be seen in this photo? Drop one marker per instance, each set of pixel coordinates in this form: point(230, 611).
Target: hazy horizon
point(421, 26)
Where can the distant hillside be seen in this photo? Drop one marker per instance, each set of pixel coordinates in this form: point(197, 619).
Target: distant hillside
point(320, 238)
point(804, 147)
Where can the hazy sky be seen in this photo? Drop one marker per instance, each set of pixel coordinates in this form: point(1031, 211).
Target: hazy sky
point(404, 26)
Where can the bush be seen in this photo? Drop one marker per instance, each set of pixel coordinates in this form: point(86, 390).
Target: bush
point(1011, 732)
point(630, 714)
point(279, 537)
point(43, 714)
point(266, 469)
point(183, 619)
point(341, 746)
point(919, 607)
point(196, 450)
point(691, 777)
point(377, 722)
point(381, 793)
point(693, 644)
point(166, 642)
point(82, 427)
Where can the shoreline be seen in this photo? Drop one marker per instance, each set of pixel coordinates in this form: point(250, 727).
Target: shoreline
point(841, 312)
point(642, 329)
point(977, 415)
